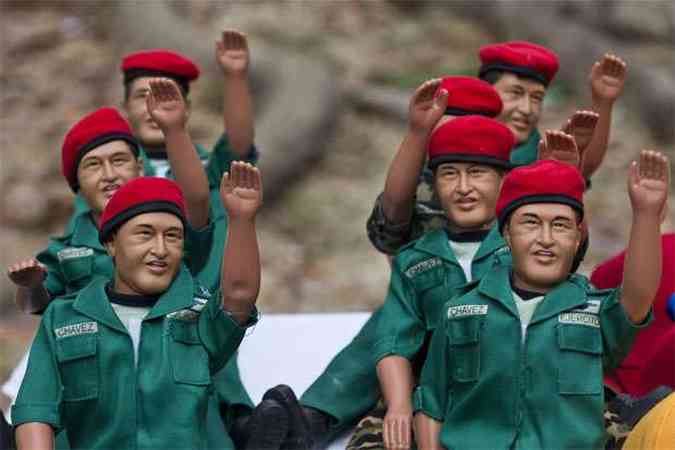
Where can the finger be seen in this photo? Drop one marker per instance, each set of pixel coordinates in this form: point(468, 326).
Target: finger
point(660, 167)
point(219, 47)
point(442, 99)
point(172, 90)
point(385, 434)
point(633, 176)
point(248, 176)
point(225, 183)
point(257, 180)
point(406, 435)
point(649, 165)
point(166, 86)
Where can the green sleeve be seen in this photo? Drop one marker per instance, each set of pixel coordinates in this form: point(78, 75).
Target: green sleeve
point(219, 333)
point(222, 156)
point(431, 396)
point(618, 332)
point(198, 245)
point(401, 329)
point(39, 397)
point(55, 283)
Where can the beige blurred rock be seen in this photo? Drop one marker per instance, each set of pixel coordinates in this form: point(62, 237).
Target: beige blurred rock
point(24, 205)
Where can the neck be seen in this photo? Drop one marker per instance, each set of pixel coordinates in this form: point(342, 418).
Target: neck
point(454, 229)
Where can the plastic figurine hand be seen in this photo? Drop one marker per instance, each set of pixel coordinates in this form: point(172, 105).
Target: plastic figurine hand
point(648, 183)
point(232, 53)
point(559, 146)
point(241, 190)
point(28, 273)
point(166, 105)
point(426, 108)
point(581, 126)
point(607, 78)
point(397, 430)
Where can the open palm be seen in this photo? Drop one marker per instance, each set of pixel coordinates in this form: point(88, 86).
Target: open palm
point(232, 52)
point(648, 182)
point(241, 190)
point(165, 104)
point(608, 77)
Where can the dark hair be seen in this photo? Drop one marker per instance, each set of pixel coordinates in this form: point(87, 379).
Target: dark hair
point(494, 75)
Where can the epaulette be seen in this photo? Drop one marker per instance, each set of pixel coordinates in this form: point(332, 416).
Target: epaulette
point(192, 312)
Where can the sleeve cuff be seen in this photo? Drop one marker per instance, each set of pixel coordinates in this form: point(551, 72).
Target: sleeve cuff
point(43, 413)
point(424, 401)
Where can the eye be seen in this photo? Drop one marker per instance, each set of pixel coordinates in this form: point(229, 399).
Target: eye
point(477, 171)
point(119, 161)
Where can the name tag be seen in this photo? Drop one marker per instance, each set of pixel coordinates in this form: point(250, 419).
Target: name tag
point(73, 252)
point(76, 329)
point(423, 267)
point(467, 310)
point(577, 318)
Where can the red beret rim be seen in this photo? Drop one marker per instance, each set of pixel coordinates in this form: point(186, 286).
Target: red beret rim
point(538, 198)
point(468, 157)
point(467, 112)
point(518, 70)
point(118, 220)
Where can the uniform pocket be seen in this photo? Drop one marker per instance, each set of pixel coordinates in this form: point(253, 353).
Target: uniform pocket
point(580, 360)
point(189, 360)
point(464, 338)
point(78, 365)
point(77, 270)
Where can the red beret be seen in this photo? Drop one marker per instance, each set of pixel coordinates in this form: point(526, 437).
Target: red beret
point(471, 139)
point(139, 196)
point(95, 129)
point(645, 367)
point(544, 181)
point(520, 57)
point(469, 95)
point(163, 63)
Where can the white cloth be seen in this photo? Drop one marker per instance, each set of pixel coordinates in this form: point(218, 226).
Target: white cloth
point(464, 252)
point(526, 309)
point(131, 317)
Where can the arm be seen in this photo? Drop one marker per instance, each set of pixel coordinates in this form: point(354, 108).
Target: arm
point(425, 110)
point(233, 56)
point(241, 193)
point(427, 432)
point(168, 109)
point(648, 187)
point(29, 276)
point(607, 80)
point(34, 436)
point(396, 382)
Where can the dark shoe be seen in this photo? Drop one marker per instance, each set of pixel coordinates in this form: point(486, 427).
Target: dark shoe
point(298, 434)
point(268, 426)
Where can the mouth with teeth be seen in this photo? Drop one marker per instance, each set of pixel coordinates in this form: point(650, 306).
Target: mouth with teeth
point(157, 267)
point(110, 189)
point(466, 203)
point(545, 256)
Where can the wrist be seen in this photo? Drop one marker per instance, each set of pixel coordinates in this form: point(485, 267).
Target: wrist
point(236, 75)
point(602, 102)
point(175, 130)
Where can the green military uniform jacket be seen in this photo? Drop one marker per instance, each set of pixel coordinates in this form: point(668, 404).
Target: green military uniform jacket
point(424, 276)
point(493, 389)
point(81, 374)
point(527, 152)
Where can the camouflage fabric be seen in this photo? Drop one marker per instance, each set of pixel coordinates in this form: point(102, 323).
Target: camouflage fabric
point(389, 237)
point(368, 434)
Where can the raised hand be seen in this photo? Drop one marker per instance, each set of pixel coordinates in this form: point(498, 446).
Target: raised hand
point(232, 53)
point(581, 126)
point(166, 105)
point(427, 106)
point(397, 430)
point(559, 146)
point(241, 190)
point(28, 273)
point(607, 78)
point(648, 183)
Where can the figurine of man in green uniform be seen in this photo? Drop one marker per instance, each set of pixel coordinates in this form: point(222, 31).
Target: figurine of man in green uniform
point(128, 363)
point(522, 71)
point(517, 361)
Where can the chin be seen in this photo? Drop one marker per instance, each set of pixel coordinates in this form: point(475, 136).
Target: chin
point(152, 138)
point(471, 220)
point(546, 278)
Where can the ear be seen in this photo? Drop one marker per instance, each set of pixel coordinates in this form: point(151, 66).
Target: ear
point(506, 233)
point(140, 165)
point(110, 247)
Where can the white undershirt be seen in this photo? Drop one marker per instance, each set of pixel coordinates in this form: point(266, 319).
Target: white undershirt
point(160, 166)
point(526, 309)
point(132, 318)
point(464, 252)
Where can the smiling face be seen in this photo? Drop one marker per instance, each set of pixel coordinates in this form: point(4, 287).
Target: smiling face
point(543, 238)
point(147, 251)
point(468, 193)
point(105, 169)
point(523, 99)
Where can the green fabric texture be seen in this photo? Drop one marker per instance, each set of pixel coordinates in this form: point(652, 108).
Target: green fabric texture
point(545, 392)
point(348, 388)
point(527, 152)
point(424, 276)
point(161, 403)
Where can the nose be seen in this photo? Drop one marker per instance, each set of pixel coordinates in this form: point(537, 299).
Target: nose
point(546, 235)
point(109, 172)
point(525, 104)
point(463, 187)
point(159, 248)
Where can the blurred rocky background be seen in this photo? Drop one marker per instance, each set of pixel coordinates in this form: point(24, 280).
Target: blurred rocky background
point(331, 83)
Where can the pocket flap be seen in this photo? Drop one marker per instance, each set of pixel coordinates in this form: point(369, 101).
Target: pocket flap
point(75, 347)
point(580, 338)
point(185, 332)
point(428, 280)
point(464, 330)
